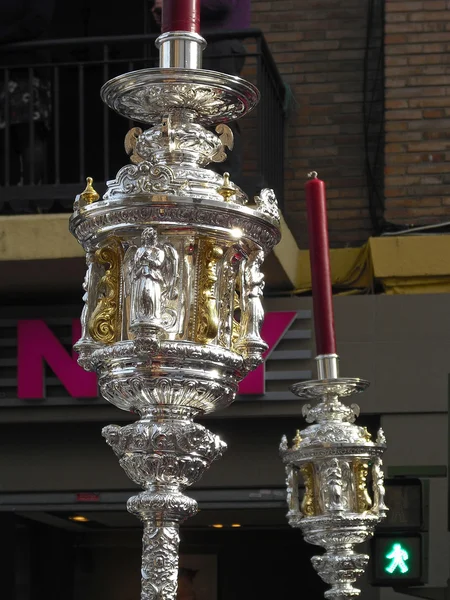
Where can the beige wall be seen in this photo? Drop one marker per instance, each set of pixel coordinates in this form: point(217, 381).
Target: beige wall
point(401, 344)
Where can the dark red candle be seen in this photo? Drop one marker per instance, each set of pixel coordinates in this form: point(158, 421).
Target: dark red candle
point(319, 256)
point(181, 15)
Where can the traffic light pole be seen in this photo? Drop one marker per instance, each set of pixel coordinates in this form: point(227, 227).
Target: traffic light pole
point(436, 593)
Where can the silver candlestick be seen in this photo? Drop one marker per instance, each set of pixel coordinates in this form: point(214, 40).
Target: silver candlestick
point(173, 312)
point(336, 459)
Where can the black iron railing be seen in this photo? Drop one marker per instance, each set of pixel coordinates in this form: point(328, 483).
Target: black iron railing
point(66, 133)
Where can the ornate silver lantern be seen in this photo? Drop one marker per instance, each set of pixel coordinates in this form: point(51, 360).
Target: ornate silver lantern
point(337, 461)
point(172, 314)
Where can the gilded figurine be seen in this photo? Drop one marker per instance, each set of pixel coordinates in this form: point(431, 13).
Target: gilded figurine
point(207, 318)
point(363, 500)
point(308, 507)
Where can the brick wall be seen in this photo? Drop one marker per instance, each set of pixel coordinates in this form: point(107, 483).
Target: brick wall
point(319, 47)
point(417, 153)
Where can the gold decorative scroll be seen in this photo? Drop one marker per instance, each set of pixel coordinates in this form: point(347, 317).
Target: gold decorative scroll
point(363, 500)
point(367, 435)
point(130, 145)
point(105, 322)
point(206, 323)
point(226, 137)
point(308, 506)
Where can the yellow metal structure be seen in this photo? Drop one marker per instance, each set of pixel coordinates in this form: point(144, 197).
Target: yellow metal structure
point(408, 264)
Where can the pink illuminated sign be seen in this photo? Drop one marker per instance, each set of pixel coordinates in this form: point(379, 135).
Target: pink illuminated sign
point(274, 327)
point(38, 344)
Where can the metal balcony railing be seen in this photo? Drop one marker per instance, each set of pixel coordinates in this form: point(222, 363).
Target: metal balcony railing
point(44, 162)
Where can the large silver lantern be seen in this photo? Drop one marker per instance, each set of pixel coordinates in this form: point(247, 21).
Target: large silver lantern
point(172, 315)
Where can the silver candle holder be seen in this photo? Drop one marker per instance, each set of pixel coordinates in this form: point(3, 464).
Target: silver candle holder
point(337, 460)
point(173, 314)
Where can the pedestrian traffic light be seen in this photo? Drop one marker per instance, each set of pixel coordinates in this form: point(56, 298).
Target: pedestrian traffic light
point(398, 557)
point(404, 497)
point(400, 547)
point(397, 560)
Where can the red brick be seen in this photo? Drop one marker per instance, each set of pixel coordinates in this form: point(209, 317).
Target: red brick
point(428, 16)
point(396, 17)
point(395, 61)
point(396, 104)
point(429, 167)
point(425, 37)
point(434, 114)
point(396, 38)
point(428, 146)
point(391, 181)
point(403, 159)
point(428, 125)
point(395, 148)
point(435, 5)
point(429, 59)
point(402, 136)
point(434, 201)
point(405, 7)
point(437, 80)
point(436, 135)
point(403, 115)
point(391, 28)
point(394, 170)
point(396, 126)
point(415, 92)
point(394, 82)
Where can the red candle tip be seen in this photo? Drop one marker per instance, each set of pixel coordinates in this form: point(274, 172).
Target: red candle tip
point(181, 15)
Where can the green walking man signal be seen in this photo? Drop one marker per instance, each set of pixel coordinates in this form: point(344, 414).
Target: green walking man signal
point(399, 546)
point(398, 558)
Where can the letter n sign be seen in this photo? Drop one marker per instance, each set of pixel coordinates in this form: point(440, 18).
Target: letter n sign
point(36, 344)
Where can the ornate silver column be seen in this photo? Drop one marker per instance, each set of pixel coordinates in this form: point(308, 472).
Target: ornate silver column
point(337, 461)
point(173, 312)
